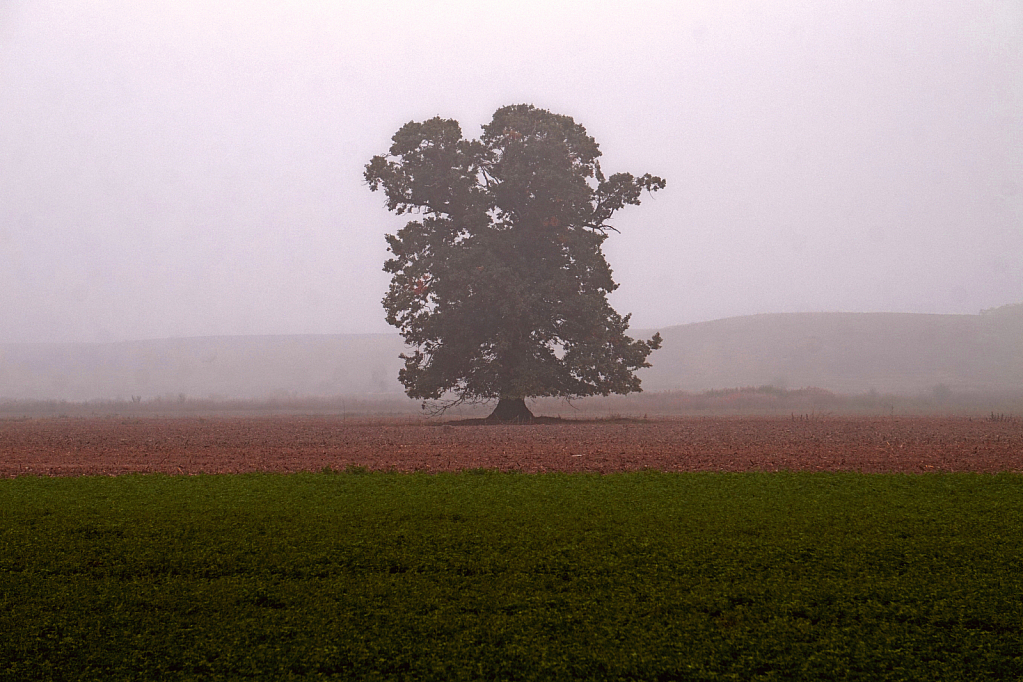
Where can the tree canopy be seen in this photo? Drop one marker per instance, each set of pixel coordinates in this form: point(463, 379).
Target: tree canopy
point(500, 284)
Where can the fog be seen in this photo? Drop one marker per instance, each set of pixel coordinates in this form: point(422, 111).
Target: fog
point(179, 169)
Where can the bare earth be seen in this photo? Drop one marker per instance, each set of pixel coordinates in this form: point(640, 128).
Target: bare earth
point(110, 446)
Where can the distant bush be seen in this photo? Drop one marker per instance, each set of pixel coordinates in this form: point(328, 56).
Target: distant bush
point(1010, 309)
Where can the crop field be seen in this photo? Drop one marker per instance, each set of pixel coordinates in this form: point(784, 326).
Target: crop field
point(698, 549)
point(118, 445)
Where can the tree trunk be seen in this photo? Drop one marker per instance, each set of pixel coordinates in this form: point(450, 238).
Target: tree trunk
point(511, 410)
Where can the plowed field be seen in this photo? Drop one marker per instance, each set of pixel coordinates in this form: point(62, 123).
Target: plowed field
point(74, 447)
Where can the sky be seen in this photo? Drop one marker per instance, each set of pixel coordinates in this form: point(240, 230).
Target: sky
point(184, 168)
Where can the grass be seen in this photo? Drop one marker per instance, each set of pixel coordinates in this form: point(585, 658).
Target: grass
point(357, 575)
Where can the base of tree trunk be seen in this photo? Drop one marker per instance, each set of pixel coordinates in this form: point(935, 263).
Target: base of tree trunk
point(511, 411)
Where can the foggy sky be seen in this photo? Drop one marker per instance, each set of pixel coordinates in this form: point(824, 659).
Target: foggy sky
point(186, 168)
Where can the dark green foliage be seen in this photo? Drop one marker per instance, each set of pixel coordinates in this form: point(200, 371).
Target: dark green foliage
point(501, 286)
point(506, 576)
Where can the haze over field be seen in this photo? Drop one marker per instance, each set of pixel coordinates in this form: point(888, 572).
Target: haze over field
point(848, 353)
point(187, 169)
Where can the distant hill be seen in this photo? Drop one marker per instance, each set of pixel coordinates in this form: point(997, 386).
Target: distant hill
point(842, 352)
point(845, 352)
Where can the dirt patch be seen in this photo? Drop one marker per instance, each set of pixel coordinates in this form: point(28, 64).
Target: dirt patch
point(110, 446)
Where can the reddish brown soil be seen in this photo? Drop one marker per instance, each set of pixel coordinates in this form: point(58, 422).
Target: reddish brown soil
point(71, 447)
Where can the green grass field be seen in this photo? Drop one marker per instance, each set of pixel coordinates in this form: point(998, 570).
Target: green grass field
point(512, 577)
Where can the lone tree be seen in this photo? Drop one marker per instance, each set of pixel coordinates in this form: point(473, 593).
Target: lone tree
point(500, 287)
